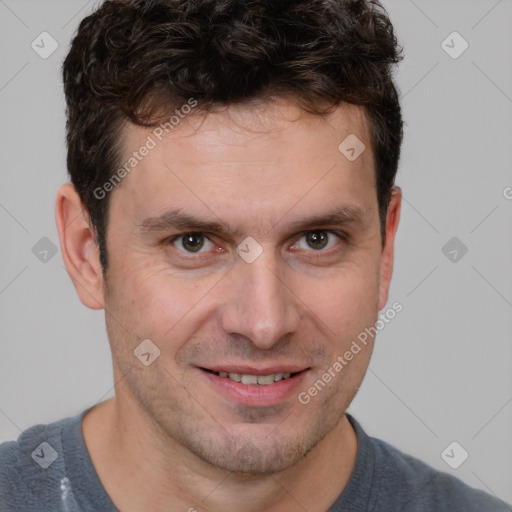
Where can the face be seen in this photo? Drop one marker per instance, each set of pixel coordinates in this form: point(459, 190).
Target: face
point(246, 243)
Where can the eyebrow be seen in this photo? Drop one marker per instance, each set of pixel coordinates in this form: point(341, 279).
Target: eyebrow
point(175, 219)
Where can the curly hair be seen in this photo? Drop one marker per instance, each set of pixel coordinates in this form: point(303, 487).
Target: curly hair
point(133, 58)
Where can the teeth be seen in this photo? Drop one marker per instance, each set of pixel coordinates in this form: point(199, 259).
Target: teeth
point(249, 379)
point(262, 380)
point(265, 380)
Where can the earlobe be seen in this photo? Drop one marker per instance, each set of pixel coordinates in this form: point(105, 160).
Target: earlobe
point(387, 258)
point(78, 247)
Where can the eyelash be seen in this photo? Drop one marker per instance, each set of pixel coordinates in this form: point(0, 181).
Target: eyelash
point(344, 237)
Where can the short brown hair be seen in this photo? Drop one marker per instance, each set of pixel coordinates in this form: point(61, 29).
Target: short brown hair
point(129, 54)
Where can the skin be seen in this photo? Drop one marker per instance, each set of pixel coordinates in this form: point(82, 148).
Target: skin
point(168, 436)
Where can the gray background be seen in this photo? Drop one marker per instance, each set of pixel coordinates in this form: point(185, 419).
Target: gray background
point(441, 371)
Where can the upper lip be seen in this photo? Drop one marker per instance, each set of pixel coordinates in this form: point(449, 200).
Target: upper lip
point(251, 370)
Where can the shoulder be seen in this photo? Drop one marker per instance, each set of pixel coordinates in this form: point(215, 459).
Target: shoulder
point(32, 467)
point(416, 486)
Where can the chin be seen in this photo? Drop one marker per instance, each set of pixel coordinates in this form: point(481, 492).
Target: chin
point(250, 460)
point(267, 454)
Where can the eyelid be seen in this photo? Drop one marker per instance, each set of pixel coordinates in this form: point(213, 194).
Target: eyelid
point(174, 238)
point(340, 235)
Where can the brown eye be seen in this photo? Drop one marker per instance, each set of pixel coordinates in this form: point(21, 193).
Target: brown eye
point(190, 242)
point(320, 240)
point(317, 239)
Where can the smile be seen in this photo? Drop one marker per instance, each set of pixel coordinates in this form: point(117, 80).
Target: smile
point(253, 380)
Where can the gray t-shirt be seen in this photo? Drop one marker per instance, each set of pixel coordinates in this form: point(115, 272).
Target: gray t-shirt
point(49, 469)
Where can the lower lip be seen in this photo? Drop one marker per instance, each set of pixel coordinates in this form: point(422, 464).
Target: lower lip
point(254, 394)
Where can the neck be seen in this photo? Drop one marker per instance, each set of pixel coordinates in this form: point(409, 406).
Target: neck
point(143, 469)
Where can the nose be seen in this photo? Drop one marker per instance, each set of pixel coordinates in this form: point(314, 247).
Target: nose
point(260, 304)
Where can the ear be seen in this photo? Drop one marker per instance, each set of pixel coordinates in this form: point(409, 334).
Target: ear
point(387, 258)
point(78, 247)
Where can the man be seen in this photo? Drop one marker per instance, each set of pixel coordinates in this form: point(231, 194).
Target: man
point(233, 211)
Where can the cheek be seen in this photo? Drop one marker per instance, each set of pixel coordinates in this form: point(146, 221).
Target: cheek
point(346, 301)
point(152, 300)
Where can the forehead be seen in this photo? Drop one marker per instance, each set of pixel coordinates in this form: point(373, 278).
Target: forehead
point(249, 159)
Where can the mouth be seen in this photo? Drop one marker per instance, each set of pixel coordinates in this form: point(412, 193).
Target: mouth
point(252, 379)
point(255, 387)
